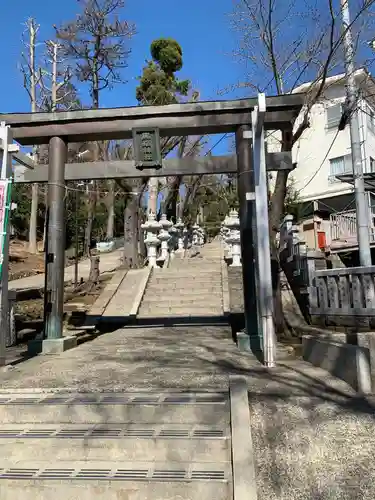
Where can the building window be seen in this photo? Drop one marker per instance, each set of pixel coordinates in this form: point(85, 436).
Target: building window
point(339, 166)
point(372, 165)
point(334, 115)
point(371, 120)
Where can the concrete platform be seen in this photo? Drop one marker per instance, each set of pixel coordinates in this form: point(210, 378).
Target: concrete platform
point(114, 481)
point(51, 346)
point(121, 442)
point(113, 408)
point(313, 437)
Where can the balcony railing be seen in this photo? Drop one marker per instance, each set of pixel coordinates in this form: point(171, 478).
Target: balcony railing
point(343, 226)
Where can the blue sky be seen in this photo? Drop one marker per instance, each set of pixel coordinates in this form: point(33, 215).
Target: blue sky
point(202, 27)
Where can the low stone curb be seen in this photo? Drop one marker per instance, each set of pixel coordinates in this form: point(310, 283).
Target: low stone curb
point(225, 284)
point(243, 460)
point(140, 292)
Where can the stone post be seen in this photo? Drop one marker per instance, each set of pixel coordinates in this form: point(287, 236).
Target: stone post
point(200, 236)
point(173, 231)
point(285, 228)
point(234, 238)
point(12, 332)
point(164, 236)
point(180, 234)
point(151, 227)
point(196, 234)
point(225, 234)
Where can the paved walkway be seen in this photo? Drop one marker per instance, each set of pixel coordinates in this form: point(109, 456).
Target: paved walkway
point(312, 437)
point(108, 262)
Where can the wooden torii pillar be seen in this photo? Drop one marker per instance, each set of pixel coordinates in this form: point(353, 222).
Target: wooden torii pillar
point(255, 243)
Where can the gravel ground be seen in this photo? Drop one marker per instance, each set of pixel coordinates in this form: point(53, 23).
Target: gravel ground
point(309, 447)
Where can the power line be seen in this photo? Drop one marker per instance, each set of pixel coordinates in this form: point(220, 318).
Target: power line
point(322, 163)
point(216, 144)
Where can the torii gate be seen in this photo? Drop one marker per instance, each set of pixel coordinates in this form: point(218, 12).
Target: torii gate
point(248, 118)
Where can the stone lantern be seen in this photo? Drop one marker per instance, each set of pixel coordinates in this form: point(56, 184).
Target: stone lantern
point(186, 237)
point(173, 231)
point(201, 236)
point(180, 234)
point(164, 235)
point(225, 234)
point(165, 223)
point(151, 227)
point(234, 238)
point(196, 234)
point(222, 232)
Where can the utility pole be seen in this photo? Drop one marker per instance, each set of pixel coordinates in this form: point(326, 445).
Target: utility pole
point(352, 116)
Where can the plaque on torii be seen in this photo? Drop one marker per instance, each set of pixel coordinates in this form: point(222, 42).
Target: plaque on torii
point(146, 147)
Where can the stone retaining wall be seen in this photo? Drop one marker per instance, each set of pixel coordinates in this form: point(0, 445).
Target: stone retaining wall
point(236, 304)
point(351, 363)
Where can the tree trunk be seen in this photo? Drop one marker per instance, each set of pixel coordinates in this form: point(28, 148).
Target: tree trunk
point(45, 228)
point(91, 206)
point(33, 219)
point(275, 214)
point(141, 235)
point(131, 236)
point(33, 227)
point(171, 193)
point(171, 209)
point(90, 219)
point(152, 202)
point(94, 271)
point(111, 209)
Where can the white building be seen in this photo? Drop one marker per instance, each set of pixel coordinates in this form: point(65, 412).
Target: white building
point(323, 153)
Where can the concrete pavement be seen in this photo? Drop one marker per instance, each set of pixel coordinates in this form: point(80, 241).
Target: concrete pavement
point(312, 436)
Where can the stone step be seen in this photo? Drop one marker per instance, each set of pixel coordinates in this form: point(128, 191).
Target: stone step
point(179, 298)
point(175, 312)
point(178, 273)
point(185, 280)
point(174, 292)
point(214, 255)
point(138, 445)
point(162, 443)
point(44, 480)
point(187, 270)
point(166, 290)
point(183, 301)
point(196, 282)
point(170, 307)
point(97, 408)
point(160, 288)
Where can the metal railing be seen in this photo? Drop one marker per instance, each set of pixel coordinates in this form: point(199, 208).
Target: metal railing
point(343, 226)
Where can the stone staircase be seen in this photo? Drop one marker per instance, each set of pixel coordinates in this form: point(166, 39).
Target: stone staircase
point(143, 446)
point(189, 287)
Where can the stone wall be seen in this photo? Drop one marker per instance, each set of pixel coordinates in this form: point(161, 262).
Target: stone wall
point(236, 303)
point(351, 363)
point(235, 282)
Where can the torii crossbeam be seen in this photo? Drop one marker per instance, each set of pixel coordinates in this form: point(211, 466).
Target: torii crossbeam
point(60, 128)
